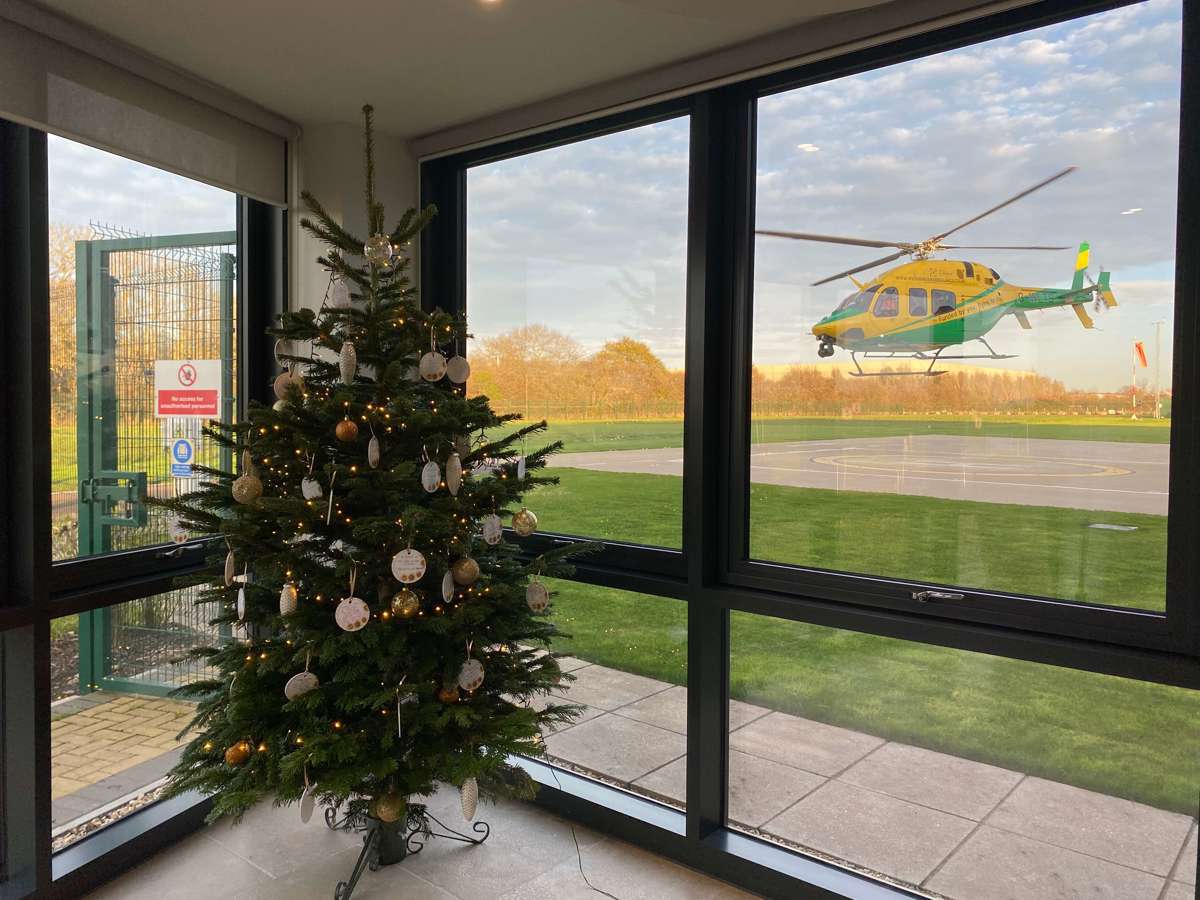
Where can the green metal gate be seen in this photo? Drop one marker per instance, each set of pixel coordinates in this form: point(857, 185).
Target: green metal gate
point(139, 300)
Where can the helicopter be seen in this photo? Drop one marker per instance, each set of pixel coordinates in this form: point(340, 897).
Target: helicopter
point(922, 308)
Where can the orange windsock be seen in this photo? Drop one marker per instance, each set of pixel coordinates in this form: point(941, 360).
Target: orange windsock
point(1139, 350)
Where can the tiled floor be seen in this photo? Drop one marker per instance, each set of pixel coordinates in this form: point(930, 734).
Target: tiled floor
point(530, 855)
point(953, 827)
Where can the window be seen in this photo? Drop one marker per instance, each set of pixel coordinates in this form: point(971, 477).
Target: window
point(859, 301)
point(577, 308)
point(955, 772)
point(943, 301)
point(887, 304)
point(143, 281)
point(918, 301)
point(1041, 452)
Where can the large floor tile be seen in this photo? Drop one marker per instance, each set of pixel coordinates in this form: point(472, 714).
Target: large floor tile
point(998, 865)
point(1121, 831)
point(275, 840)
point(802, 743)
point(948, 783)
point(316, 880)
point(1177, 890)
point(758, 788)
point(607, 688)
point(871, 830)
point(196, 867)
point(620, 748)
point(525, 842)
point(668, 709)
point(626, 872)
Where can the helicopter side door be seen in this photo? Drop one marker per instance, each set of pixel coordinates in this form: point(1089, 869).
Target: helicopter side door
point(950, 332)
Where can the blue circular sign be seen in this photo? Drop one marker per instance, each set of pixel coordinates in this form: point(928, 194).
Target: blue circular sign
point(182, 450)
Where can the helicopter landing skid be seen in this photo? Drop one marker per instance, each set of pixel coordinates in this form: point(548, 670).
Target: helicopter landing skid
point(933, 359)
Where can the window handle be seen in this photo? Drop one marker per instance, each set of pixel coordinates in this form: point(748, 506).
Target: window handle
point(926, 596)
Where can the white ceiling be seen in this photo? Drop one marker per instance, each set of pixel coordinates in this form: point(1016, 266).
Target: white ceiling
point(428, 64)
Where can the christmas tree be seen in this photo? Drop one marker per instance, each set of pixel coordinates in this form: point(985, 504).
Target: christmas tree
point(388, 636)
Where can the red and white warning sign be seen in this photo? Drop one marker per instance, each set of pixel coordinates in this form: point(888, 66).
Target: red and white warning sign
point(187, 387)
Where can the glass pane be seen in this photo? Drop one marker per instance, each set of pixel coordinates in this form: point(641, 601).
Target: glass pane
point(142, 310)
point(113, 727)
point(627, 656)
point(575, 294)
point(967, 776)
point(1010, 429)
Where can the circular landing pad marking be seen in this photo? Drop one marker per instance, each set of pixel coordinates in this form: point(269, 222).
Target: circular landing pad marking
point(919, 464)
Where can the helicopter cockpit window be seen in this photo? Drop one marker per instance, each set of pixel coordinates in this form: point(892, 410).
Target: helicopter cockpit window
point(888, 303)
point(859, 301)
point(918, 302)
point(944, 301)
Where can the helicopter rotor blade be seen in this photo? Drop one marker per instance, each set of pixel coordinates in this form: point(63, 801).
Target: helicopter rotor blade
point(870, 265)
point(834, 239)
point(1013, 199)
point(989, 247)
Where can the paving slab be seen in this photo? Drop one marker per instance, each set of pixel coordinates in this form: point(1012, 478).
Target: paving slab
point(1120, 831)
point(1177, 890)
point(620, 748)
point(803, 743)
point(759, 789)
point(608, 688)
point(874, 831)
point(999, 865)
point(949, 783)
point(668, 709)
point(1185, 869)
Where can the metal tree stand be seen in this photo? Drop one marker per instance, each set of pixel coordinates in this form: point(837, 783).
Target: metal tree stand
point(386, 843)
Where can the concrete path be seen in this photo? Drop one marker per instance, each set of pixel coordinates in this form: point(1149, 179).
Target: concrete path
point(1100, 475)
point(949, 826)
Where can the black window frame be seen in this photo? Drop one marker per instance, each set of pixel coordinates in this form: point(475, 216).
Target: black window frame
point(719, 576)
point(40, 590)
point(890, 291)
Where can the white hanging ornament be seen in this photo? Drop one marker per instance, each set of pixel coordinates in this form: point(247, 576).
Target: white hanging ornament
point(458, 369)
point(470, 676)
point(469, 795)
point(431, 476)
point(300, 684)
point(454, 473)
point(284, 381)
point(310, 488)
point(339, 294)
point(241, 604)
point(447, 587)
point(537, 596)
point(432, 366)
point(378, 250)
point(493, 529)
point(287, 599)
point(521, 468)
point(348, 362)
point(408, 566)
point(176, 530)
point(524, 522)
point(373, 452)
point(352, 614)
point(307, 801)
point(230, 570)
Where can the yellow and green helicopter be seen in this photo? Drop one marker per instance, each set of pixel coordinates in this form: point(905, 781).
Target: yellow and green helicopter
point(922, 308)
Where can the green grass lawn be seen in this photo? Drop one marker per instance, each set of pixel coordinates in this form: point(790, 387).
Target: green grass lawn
point(648, 434)
point(1040, 550)
point(1121, 737)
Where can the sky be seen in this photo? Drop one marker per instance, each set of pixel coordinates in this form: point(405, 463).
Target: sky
point(590, 238)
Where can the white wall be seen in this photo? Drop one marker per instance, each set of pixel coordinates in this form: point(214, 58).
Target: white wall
point(331, 167)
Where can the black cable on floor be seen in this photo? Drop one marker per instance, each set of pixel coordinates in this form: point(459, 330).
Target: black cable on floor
point(578, 851)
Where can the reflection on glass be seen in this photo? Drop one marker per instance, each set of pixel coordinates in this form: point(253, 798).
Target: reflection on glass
point(575, 293)
point(962, 774)
point(627, 665)
point(981, 394)
point(142, 272)
point(113, 725)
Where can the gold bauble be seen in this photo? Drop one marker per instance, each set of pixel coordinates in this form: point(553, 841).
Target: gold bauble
point(406, 604)
point(524, 522)
point(465, 571)
point(346, 431)
point(390, 807)
point(247, 488)
point(237, 754)
point(448, 694)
